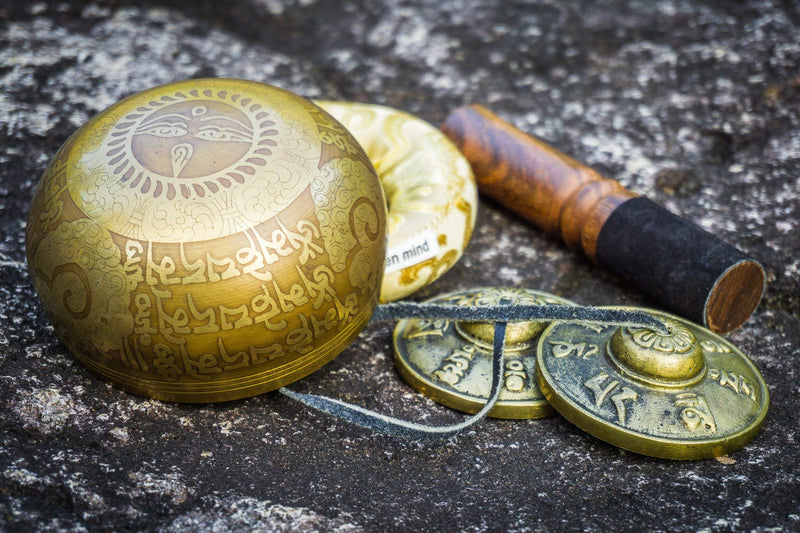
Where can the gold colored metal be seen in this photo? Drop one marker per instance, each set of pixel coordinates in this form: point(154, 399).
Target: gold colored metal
point(672, 360)
point(451, 362)
point(208, 240)
point(689, 394)
point(429, 187)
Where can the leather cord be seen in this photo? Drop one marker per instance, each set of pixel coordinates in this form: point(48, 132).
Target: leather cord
point(390, 425)
point(500, 315)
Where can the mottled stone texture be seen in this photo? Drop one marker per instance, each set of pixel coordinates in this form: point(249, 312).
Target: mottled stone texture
point(696, 106)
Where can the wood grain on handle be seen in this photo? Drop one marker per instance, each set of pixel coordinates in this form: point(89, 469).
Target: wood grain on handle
point(550, 189)
point(678, 264)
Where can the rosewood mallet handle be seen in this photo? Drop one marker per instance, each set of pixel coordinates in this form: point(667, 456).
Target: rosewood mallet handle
point(681, 266)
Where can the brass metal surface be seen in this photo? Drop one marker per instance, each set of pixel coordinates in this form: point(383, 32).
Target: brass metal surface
point(689, 394)
point(450, 362)
point(430, 190)
point(208, 240)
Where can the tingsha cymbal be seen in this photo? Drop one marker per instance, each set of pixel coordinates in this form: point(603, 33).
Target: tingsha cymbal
point(687, 394)
point(451, 362)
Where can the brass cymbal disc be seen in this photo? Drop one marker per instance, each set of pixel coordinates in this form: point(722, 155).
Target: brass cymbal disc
point(451, 362)
point(688, 394)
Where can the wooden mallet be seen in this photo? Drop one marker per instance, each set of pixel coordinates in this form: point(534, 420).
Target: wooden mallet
point(681, 266)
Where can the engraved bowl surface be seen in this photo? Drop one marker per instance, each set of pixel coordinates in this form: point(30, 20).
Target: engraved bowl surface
point(208, 240)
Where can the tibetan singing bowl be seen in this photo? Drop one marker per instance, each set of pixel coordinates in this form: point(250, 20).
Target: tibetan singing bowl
point(208, 240)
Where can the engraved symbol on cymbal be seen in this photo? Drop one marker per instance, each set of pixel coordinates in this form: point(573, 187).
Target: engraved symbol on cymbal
point(450, 361)
point(684, 394)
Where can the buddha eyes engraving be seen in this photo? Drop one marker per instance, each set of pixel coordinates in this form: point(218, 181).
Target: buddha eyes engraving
point(178, 147)
point(213, 132)
point(163, 129)
point(192, 139)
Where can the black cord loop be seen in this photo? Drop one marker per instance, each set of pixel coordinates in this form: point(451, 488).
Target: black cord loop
point(500, 315)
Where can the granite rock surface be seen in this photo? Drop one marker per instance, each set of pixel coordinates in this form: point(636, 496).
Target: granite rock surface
point(696, 106)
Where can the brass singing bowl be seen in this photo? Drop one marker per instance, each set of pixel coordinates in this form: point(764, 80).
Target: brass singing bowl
point(208, 240)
